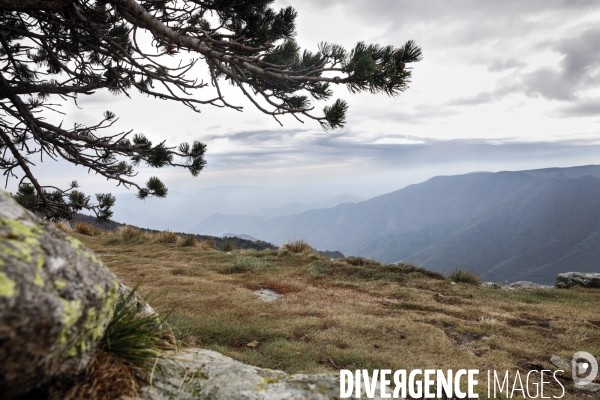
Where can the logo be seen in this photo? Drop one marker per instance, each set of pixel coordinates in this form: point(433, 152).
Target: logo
point(580, 367)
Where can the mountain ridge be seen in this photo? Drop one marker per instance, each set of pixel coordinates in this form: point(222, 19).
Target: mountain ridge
point(506, 226)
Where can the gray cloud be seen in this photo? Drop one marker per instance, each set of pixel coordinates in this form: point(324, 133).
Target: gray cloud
point(255, 136)
point(582, 108)
point(578, 70)
point(334, 149)
point(504, 64)
point(420, 114)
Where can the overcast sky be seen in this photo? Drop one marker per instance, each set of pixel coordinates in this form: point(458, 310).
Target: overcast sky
point(504, 85)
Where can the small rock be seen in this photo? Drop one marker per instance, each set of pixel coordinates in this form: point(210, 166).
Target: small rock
point(299, 279)
point(268, 295)
point(453, 283)
point(490, 285)
point(439, 296)
point(253, 344)
point(561, 363)
point(229, 253)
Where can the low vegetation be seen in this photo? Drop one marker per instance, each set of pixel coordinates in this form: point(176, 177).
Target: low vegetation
point(468, 277)
point(166, 237)
point(188, 241)
point(227, 246)
point(352, 313)
point(297, 246)
point(127, 354)
point(86, 229)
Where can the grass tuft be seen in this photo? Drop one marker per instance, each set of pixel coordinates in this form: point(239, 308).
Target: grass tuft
point(87, 229)
point(243, 264)
point(188, 241)
point(137, 340)
point(130, 348)
point(468, 277)
point(208, 245)
point(166, 237)
point(297, 247)
point(227, 246)
point(63, 227)
point(130, 234)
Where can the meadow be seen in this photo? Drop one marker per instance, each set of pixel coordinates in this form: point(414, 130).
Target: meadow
point(350, 313)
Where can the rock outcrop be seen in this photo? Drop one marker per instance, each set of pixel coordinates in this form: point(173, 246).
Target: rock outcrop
point(527, 285)
point(198, 374)
point(56, 299)
point(571, 279)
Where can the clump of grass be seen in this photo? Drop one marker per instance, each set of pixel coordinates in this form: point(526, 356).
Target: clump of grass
point(130, 234)
point(297, 246)
point(188, 241)
point(98, 381)
point(208, 244)
point(137, 340)
point(227, 246)
point(461, 276)
point(127, 353)
point(243, 264)
point(360, 261)
point(166, 237)
point(63, 227)
point(87, 229)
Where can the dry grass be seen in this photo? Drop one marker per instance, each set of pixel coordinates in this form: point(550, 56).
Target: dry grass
point(105, 377)
point(297, 246)
point(353, 313)
point(63, 227)
point(188, 241)
point(207, 245)
point(130, 234)
point(166, 237)
point(468, 277)
point(227, 246)
point(87, 229)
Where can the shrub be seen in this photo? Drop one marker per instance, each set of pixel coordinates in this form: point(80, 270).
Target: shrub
point(227, 246)
point(167, 237)
point(460, 276)
point(297, 246)
point(85, 229)
point(188, 241)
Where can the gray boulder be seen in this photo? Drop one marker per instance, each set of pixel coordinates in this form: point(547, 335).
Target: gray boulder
point(56, 299)
point(570, 279)
point(199, 374)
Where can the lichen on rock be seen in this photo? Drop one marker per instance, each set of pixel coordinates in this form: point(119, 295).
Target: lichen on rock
point(56, 299)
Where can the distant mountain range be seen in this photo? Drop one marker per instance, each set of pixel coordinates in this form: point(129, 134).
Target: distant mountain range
point(298, 207)
point(505, 226)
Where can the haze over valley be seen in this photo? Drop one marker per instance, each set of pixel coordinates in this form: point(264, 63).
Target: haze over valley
point(505, 226)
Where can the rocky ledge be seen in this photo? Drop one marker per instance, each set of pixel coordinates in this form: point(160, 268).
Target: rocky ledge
point(571, 279)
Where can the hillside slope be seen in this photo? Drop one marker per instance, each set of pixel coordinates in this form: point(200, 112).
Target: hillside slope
point(506, 226)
